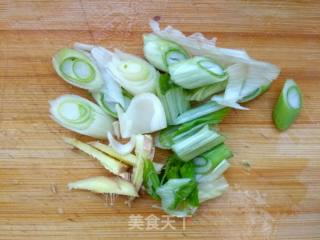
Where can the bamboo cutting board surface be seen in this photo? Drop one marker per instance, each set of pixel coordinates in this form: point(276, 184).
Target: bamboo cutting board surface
point(274, 178)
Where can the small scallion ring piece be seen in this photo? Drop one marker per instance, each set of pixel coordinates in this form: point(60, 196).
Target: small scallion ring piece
point(288, 106)
point(162, 53)
point(80, 115)
point(76, 68)
point(197, 72)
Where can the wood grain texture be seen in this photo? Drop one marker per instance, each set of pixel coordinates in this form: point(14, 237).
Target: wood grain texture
point(274, 178)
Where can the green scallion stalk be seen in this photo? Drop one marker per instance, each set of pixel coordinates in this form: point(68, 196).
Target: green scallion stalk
point(172, 97)
point(197, 112)
point(162, 53)
point(80, 115)
point(200, 94)
point(288, 106)
point(211, 159)
point(256, 93)
point(199, 142)
point(197, 72)
point(165, 137)
point(76, 68)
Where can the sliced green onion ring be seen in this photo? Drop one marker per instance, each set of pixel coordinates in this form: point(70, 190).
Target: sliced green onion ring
point(80, 115)
point(77, 68)
point(288, 106)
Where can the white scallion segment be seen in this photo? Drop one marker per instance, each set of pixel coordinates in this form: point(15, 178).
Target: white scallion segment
point(212, 189)
point(145, 114)
point(288, 106)
point(215, 174)
point(109, 163)
point(77, 68)
point(80, 115)
point(259, 73)
point(162, 53)
point(200, 142)
point(105, 185)
point(128, 159)
point(120, 148)
point(197, 72)
point(197, 112)
point(133, 73)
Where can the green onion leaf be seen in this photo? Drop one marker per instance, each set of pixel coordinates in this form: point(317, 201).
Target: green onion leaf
point(197, 72)
point(288, 106)
point(76, 68)
point(202, 93)
point(191, 146)
point(80, 115)
point(172, 97)
point(151, 180)
point(162, 53)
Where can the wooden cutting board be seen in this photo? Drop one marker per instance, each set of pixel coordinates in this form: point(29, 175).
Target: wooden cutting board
point(274, 178)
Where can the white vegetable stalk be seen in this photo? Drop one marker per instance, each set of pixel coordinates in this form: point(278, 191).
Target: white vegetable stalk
point(145, 114)
point(77, 69)
point(133, 73)
point(258, 73)
point(162, 53)
point(80, 115)
point(212, 189)
point(197, 72)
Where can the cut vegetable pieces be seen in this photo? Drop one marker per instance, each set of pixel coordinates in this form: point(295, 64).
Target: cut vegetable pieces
point(105, 185)
point(80, 115)
point(208, 161)
point(129, 159)
point(191, 145)
point(145, 114)
point(165, 138)
point(162, 53)
point(109, 163)
point(76, 68)
point(197, 72)
point(288, 106)
point(172, 97)
point(133, 73)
